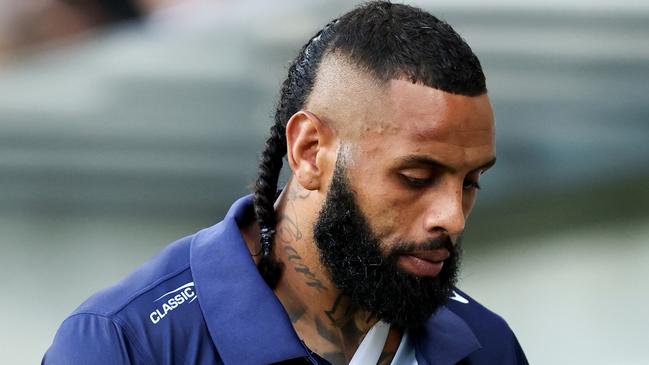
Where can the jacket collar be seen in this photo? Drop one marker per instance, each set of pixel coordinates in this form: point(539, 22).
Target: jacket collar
point(249, 325)
point(445, 339)
point(245, 319)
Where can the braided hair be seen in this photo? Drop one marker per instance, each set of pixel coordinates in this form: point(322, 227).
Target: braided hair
point(388, 41)
point(295, 90)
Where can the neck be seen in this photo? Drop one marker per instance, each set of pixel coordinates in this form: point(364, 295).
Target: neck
point(324, 318)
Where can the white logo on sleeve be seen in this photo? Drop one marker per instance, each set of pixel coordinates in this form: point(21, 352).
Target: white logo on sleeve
point(183, 294)
point(458, 298)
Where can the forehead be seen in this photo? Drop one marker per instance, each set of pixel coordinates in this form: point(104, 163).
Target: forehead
point(416, 119)
point(426, 113)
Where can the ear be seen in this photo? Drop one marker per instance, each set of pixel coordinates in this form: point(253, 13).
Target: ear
point(310, 149)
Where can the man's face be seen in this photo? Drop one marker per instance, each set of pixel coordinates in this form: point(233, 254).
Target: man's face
point(399, 198)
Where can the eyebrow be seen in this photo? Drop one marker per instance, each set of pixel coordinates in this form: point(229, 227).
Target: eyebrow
point(416, 160)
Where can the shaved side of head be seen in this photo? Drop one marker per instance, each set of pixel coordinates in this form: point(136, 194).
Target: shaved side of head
point(344, 96)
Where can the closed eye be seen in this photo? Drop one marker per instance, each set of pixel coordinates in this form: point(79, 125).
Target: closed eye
point(415, 182)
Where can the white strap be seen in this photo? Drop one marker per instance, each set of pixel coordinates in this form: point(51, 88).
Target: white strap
point(370, 349)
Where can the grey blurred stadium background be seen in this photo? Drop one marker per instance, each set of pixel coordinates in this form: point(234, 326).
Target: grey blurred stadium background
point(113, 145)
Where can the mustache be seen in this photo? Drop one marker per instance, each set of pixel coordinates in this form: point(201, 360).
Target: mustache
point(441, 242)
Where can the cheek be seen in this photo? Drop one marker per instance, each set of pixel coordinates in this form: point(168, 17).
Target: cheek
point(375, 192)
point(385, 216)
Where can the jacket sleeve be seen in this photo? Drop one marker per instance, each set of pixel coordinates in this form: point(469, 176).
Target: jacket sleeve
point(89, 339)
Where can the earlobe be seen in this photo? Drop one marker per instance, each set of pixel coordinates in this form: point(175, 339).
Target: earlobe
point(307, 140)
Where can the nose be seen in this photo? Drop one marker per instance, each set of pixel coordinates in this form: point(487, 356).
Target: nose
point(446, 212)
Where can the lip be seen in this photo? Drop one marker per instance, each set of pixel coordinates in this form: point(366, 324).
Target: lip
point(424, 263)
point(437, 255)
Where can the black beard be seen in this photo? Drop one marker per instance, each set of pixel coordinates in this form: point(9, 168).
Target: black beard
point(351, 252)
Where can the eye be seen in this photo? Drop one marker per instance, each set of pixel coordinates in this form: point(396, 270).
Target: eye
point(415, 182)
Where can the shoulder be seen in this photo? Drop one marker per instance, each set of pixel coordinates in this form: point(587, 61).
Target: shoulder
point(499, 343)
point(161, 272)
point(84, 338)
point(154, 305)
point(480, 319)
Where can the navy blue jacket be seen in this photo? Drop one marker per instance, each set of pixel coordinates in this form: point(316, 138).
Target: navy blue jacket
point(202, 301)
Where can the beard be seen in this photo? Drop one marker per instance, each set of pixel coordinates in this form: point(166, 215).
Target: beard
point(351, 252)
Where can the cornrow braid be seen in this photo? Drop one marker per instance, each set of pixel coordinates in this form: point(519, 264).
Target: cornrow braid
point(295, 90)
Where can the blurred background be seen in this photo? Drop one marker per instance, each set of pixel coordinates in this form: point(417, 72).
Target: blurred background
point(127, 124)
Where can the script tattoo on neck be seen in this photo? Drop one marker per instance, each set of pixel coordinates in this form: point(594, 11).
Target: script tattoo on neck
point(296, 313)
point(311, 279)
point(341, 327)
point(289, 231)
point(339, 324)
point(295, 194)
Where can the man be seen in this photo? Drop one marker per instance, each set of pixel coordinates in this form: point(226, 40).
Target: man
point(386, 125)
